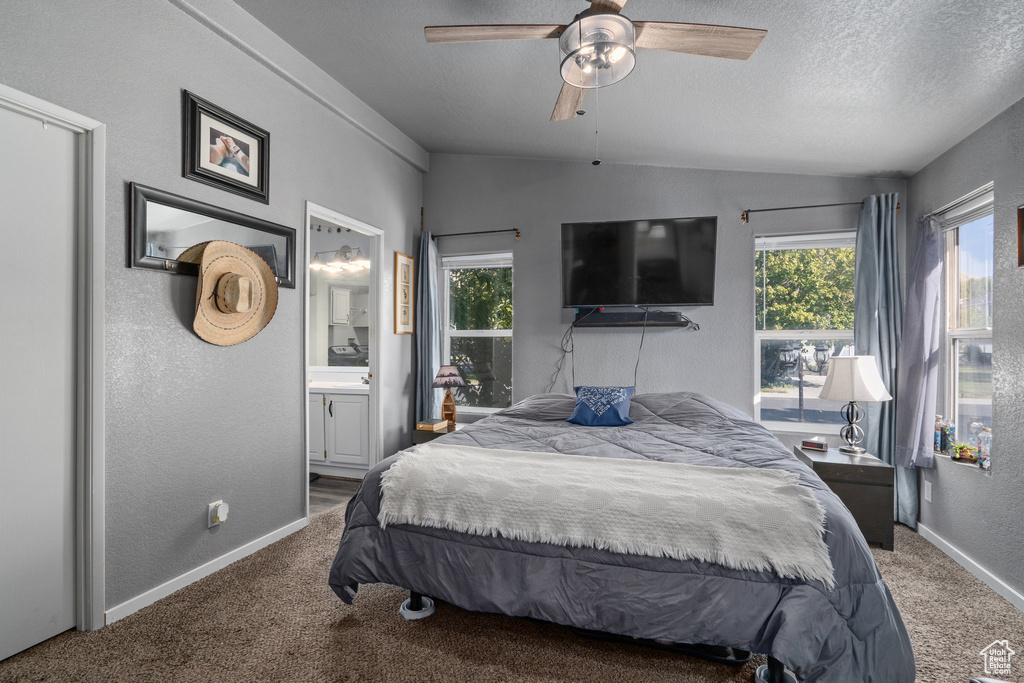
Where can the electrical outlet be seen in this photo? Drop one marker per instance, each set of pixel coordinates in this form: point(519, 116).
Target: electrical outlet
point(928, 492)
point(217, 513)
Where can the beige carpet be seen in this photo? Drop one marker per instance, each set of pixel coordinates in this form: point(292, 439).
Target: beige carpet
point(271, 617)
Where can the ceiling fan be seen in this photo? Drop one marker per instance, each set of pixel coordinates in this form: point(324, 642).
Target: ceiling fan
point(599, 47)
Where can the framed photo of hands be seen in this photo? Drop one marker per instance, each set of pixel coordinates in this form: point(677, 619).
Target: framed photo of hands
point(223, 150)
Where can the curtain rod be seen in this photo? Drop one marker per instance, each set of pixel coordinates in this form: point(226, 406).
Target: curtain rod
point(745, 216)
point(478, 232)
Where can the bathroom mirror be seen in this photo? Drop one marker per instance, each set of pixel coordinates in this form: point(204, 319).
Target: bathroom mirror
point(340, 277)
point(163, 225)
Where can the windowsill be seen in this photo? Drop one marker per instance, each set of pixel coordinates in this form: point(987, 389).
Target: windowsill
point(469, 415)
point(476, 410)
point(804, 428)
point(969, 465)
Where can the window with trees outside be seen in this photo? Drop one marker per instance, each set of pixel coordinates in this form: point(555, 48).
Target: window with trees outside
point(969, 252)
point(477, 322)
point(803, 294)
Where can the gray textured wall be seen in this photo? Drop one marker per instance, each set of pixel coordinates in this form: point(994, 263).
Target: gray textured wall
point(187, 422)
point(463, 193)
point(979, 514)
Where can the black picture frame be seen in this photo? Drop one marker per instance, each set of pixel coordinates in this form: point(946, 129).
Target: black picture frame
point(1020, 236)
point(232, 176)
point(141, 195)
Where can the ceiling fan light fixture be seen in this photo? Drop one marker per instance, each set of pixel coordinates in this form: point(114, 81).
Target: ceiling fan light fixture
point(597, 50)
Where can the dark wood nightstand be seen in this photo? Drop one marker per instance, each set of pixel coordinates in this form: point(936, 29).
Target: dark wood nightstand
point(864, 484)
point(422, 436)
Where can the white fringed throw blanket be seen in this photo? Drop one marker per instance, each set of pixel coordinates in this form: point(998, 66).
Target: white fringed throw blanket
point(743, 518)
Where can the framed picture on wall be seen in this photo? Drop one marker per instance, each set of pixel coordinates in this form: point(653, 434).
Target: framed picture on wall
point(403, 294)
point(1020, 236)
point(222, 150)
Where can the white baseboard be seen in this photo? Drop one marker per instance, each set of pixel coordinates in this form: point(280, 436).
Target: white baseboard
point(991, 580)
point(163, 590)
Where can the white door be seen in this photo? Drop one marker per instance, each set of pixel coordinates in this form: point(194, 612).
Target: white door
point(347, 427)
point(38, 195)
point(317, 408)
point(340, 306)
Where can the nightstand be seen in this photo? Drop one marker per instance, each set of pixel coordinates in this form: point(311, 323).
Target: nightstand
point(422, 436)
point(864, 484)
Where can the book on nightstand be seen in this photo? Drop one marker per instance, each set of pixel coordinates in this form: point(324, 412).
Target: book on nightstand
point(816, 443)
point(439, 426)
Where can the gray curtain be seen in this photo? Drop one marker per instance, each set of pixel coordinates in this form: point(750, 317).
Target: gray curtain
point(877, 331)
point(919, 357)
point(428, 331)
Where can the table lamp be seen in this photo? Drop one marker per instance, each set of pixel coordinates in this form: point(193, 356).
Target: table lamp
point(853, 379)
point(447, 377)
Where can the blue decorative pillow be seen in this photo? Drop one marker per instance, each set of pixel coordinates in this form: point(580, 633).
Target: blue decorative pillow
point(602, 406)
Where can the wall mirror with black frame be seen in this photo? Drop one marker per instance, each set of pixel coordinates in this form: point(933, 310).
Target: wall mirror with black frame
point(163, 225)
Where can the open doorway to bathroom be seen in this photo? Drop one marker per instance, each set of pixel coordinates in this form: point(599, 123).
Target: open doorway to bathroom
point(343, 324)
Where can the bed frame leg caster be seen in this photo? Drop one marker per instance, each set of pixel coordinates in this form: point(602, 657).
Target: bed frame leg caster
point(774, 672)
point(416, 607)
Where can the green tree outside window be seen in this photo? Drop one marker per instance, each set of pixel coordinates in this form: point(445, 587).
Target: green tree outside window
point(800, 289)
point(481, 299)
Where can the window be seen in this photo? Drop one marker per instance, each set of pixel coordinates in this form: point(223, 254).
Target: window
point(477, 322)
point(804, 315)
point(967, 353)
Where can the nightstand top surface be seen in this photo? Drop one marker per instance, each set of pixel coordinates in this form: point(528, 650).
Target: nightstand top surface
point(834, 457)
point(458, 426)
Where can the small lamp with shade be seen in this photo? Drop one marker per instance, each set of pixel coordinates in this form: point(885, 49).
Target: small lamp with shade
point(447, 377)
point(854, 379)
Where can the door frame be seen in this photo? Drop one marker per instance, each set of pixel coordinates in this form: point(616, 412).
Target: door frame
point(91, 138)
point(376, 408)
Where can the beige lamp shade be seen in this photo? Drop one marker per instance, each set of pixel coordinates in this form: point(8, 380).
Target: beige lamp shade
point(853, 378)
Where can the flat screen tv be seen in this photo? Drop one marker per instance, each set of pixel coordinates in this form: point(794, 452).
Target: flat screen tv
point(664, 262)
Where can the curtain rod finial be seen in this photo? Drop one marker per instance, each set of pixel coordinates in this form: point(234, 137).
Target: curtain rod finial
point(745, 217)
point(517, 233)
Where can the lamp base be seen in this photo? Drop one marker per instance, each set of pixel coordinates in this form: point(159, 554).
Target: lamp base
point(448, 409)
point(851, 432)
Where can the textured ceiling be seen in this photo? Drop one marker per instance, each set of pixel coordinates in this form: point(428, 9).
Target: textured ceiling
point(838, 87)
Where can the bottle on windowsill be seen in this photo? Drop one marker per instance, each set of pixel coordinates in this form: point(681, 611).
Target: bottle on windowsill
point(976, 426)
point(947, 437)
point(985, 442)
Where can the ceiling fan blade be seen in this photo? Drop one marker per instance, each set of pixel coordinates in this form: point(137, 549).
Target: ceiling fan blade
point(570, 99)
point(471, 34)
point(613, 6)
point(698, 39)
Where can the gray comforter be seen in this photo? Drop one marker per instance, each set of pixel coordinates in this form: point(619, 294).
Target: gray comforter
point(851, 633)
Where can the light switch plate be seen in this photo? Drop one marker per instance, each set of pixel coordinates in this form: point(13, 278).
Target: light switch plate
point(928, 492)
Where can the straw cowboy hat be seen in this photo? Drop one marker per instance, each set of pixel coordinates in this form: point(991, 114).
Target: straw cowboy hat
point(236, 295)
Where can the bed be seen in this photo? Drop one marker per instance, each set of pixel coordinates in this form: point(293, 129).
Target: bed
point(852, 632)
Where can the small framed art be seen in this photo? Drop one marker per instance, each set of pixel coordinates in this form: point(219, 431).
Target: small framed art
point(403, 294)
point(1020, 236)
point(222, 150)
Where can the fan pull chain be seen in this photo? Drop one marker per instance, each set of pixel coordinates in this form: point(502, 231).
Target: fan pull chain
point(597, 126)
